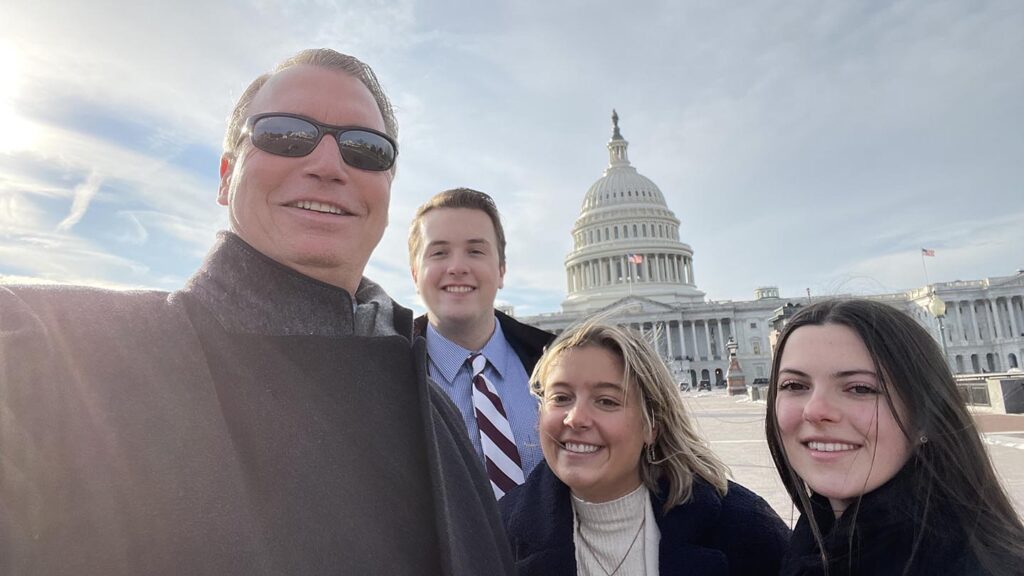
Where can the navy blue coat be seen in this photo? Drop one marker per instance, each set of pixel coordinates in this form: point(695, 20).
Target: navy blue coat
point(738, 535)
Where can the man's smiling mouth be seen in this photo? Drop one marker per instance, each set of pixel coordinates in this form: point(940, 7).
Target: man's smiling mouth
point(321, 207)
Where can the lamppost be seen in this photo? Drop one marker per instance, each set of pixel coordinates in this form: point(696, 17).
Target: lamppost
point(938, 309)
point(734, 378)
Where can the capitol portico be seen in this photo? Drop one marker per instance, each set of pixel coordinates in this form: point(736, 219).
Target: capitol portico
point(628, 256)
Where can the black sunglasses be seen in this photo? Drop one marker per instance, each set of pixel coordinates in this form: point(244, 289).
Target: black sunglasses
point(294, 135)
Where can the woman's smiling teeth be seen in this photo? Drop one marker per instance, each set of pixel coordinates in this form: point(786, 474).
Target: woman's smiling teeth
point(458, 288)
point(580, 448)
point(317, 207)
point(830, 446)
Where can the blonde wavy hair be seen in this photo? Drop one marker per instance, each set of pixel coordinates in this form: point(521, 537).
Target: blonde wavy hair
point(679, 451)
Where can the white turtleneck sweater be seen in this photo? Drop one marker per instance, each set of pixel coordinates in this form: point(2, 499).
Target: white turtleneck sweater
point(621, 530)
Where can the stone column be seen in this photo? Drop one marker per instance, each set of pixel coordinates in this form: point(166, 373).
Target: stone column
point(1013, 319)
point(954, 322)
point(667, 331)
point(990, 313)
point(693, 332)
point(682, 339)
point(707, 338)
point(976, 333)
point(1000, 331)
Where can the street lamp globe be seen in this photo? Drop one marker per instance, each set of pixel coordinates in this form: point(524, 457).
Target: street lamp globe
point(937, 306)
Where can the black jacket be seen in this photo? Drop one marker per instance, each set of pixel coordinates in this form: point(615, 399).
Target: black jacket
point(877, 538)
point(735, 535)
point(238, 426)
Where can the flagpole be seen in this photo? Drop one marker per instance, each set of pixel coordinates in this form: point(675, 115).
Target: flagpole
point(925, 267)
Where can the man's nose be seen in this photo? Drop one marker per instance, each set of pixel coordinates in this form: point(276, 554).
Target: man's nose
point(457, 265)
point(325, 161)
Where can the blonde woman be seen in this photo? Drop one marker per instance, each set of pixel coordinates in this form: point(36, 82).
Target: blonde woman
point(627, 486)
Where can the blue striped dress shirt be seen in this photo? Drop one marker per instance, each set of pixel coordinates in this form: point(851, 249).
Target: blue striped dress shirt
point(448, 368)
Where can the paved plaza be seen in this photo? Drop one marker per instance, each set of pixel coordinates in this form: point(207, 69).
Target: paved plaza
point(735, 427)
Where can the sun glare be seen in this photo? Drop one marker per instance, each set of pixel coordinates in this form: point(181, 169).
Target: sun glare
point(16, 133)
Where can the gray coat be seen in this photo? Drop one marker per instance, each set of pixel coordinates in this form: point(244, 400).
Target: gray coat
point(241, 425)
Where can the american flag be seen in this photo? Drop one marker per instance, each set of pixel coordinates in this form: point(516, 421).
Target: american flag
point(927, 252)
point(635, 258)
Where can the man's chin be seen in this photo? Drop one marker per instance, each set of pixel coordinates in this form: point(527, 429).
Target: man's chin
point(459, 318)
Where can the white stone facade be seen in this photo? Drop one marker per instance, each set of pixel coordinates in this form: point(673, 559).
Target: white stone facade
point(624, 215)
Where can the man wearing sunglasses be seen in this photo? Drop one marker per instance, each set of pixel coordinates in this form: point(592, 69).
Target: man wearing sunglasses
point(273, 416)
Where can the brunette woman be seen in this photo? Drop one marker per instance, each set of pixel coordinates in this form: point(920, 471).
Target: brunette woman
point(879, 454)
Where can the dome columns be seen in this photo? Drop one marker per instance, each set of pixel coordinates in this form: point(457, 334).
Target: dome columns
point(601, 272)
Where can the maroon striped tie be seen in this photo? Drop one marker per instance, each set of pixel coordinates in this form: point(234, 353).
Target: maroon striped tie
point(501, 456)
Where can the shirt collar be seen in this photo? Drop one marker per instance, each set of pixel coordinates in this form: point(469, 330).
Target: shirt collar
point(449, 357)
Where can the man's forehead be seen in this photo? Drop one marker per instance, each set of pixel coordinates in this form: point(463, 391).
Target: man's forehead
point(327, 94)
point(458, 223)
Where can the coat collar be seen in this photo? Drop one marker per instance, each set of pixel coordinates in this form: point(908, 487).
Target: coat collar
point(527, 342)
point(250, 293)
point(538, 517)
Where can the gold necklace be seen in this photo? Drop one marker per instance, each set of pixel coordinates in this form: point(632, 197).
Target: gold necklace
point(579, 532)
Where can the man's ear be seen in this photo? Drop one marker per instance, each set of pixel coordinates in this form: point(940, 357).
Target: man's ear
point(226, 170)
point(501, 276)
point(415, 278)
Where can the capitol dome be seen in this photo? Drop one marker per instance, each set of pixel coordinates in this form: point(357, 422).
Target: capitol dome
point(626, 241)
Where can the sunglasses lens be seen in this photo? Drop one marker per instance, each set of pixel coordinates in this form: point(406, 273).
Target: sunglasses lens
point(284, 136)
point(366, 150)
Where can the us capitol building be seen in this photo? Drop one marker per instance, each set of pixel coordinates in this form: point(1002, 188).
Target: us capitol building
point(627, 256)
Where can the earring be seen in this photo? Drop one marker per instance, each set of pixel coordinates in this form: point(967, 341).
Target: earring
point(650, 454)
point(923, 439)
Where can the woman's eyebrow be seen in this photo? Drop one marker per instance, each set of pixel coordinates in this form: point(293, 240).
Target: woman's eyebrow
point(794, 372)
point(858, 372)
point(838, 374)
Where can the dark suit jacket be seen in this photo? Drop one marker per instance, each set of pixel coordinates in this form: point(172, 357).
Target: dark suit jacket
point(735, 535)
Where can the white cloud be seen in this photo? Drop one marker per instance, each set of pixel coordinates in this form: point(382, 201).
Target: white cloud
point(83, 194)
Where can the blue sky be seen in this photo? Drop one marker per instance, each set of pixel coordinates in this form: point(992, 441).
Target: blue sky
point(802, 144)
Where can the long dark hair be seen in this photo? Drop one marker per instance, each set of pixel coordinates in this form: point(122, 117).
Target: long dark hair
point(952, 469)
